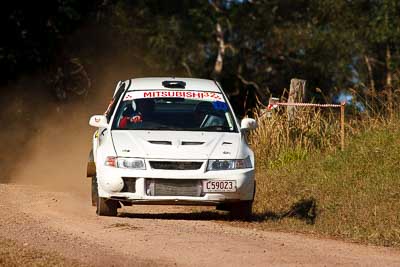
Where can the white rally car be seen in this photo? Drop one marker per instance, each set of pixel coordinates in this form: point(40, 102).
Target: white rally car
point(171, 141)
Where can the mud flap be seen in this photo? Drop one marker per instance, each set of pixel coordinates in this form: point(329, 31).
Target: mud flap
point(91, 170)
point(91, 166)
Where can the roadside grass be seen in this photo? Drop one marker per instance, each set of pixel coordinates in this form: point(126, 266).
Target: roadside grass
point(305, 184)
point(15, 254)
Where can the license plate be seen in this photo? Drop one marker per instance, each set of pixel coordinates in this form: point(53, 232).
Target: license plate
point(219, 186)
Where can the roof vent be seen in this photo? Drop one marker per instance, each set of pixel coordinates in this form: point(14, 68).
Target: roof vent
point(174, 84)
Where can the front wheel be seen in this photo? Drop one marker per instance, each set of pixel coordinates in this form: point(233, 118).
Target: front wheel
point(95, 191)
point(107, 207)
point(241, 210)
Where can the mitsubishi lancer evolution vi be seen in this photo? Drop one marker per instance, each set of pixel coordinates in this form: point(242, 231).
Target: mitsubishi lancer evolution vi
point(173, 141)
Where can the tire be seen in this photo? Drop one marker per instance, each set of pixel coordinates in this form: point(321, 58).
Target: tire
point(107, 207)
point(223, 207)
point(95, 191)
point(241, 210)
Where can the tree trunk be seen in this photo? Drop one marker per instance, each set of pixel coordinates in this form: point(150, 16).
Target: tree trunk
point(221, 52)
point(388, 67)
point(370, 76)
point(187, 68)
point(389, 87)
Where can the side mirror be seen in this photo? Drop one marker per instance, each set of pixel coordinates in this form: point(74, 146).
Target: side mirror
point(99, 121)
point(248, 124)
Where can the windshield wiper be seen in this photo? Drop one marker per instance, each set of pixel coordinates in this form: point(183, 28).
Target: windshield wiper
point(166, 127)
point(218, 128)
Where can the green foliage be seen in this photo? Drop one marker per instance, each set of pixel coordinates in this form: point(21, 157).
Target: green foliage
point(287, 157)
point(172, 33)
point(34, 33)
point(268, 42)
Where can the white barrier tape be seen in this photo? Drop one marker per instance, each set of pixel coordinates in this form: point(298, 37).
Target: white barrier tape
point(304, 105)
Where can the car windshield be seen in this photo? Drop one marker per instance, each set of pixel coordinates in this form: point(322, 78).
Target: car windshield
point(174, 110)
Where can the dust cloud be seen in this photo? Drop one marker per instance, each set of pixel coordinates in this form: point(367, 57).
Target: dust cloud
point(47, 143)
point(55, 156)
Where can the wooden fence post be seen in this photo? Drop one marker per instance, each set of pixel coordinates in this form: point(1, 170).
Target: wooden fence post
point(342, 106)
point(297, 94)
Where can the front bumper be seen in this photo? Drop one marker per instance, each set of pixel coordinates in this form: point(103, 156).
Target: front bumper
point(111, 182)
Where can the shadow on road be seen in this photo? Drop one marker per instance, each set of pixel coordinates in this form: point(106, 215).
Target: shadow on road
point(304, 210)
point(193, 216)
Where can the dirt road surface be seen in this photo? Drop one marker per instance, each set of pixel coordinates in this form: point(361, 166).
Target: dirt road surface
point(65, 223)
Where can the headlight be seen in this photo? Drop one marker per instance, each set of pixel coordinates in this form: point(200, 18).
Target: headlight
point(125, 163)
point(131, 163)
point(228, 164)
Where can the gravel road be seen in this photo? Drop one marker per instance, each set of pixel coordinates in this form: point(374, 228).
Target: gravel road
point(65, 223)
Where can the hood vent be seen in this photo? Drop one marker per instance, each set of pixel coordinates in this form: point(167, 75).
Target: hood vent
point(226, 143)
point(190, 143)
point(183, 143)
point(160, 142)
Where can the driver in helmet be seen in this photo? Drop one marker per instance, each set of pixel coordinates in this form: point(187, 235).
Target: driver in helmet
point(139, 110)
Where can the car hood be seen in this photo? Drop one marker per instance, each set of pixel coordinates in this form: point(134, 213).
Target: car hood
point(176, 144)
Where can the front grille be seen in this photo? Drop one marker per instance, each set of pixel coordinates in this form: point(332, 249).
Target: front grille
point(129, 185)
point(175, 165)
point(173, 187)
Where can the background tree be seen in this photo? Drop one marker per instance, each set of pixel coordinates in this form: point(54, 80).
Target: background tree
point(252, 47)
point(33, 33)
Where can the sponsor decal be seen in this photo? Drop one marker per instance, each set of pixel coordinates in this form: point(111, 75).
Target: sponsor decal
point(210, 96)
point(109, 107)
point(219, 105)
point(128, 96)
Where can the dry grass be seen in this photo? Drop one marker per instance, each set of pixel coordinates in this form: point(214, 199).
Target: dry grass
point(306, 184)
point(278, 140)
